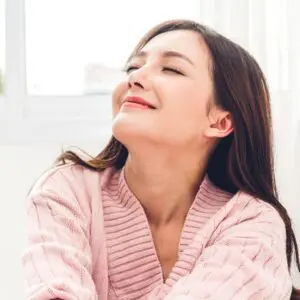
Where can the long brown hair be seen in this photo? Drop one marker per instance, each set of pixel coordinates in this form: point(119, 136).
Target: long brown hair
point(243, 160)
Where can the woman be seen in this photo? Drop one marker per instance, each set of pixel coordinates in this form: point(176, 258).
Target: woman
point(182, 203)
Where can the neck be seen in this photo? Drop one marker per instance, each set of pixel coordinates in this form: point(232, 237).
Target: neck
point(165, 183)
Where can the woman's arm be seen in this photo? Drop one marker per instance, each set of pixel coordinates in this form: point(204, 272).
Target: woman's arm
point(58, 262)
point(246, 261)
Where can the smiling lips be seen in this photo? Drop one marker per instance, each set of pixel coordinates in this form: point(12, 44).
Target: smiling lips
point(137, 102)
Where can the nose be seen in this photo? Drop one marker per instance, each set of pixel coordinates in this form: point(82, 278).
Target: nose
point(139, 79)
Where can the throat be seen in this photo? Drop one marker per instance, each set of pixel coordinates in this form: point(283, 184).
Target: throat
point(163, 214)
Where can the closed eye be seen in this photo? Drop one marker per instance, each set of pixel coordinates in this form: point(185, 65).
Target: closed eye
point(167, 69)
point(130, 69)
point(173, 71)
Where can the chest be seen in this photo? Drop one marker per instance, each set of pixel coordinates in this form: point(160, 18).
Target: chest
point(167, 242)
point(142, 258)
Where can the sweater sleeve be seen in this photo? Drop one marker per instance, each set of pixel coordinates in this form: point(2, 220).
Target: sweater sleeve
point(57, 262)
point(246, 260)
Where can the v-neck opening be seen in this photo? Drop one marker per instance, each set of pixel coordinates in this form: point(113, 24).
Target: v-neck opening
point(180, 251)
point(129, 232)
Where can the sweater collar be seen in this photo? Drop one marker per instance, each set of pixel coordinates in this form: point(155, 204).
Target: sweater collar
point(208, 192)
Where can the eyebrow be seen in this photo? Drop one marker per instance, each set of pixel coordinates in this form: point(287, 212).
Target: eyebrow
point(165, 54)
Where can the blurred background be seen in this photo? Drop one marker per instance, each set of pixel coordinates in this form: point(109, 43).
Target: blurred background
point(59, 60)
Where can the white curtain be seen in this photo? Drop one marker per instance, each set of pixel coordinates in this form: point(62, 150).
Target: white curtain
point(270, 30)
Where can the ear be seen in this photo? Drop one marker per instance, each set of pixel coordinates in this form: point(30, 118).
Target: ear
point(220, 123)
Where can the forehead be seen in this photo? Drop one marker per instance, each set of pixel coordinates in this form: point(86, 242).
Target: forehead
point(186, 42)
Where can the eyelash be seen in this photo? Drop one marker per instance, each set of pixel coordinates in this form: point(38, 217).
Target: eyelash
point(131, 68)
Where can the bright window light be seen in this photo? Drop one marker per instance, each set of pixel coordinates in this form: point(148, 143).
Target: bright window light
point(73, 46)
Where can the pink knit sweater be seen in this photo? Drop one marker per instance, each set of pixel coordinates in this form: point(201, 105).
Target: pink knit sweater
point(89, 239)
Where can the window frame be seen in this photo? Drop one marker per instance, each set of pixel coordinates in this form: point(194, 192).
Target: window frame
point(38, 119)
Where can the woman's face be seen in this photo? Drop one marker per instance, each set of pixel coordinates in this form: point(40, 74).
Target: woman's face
point(170, 74)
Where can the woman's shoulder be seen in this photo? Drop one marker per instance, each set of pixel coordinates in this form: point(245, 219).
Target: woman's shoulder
point(253, 205)
point(58, 176)
point(71, 179)
point(250, 212)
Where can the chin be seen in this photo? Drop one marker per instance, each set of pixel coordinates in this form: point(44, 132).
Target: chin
point(129, 132)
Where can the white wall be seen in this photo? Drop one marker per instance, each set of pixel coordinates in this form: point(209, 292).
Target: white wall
point(19, 167)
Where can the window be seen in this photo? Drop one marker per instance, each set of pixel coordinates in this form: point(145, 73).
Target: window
point(59, 59)
point(2, 46)
point(75, 47)
point(61, 62)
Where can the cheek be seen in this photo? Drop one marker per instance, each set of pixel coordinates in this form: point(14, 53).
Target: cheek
point(188, 102)
point(186, 113)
